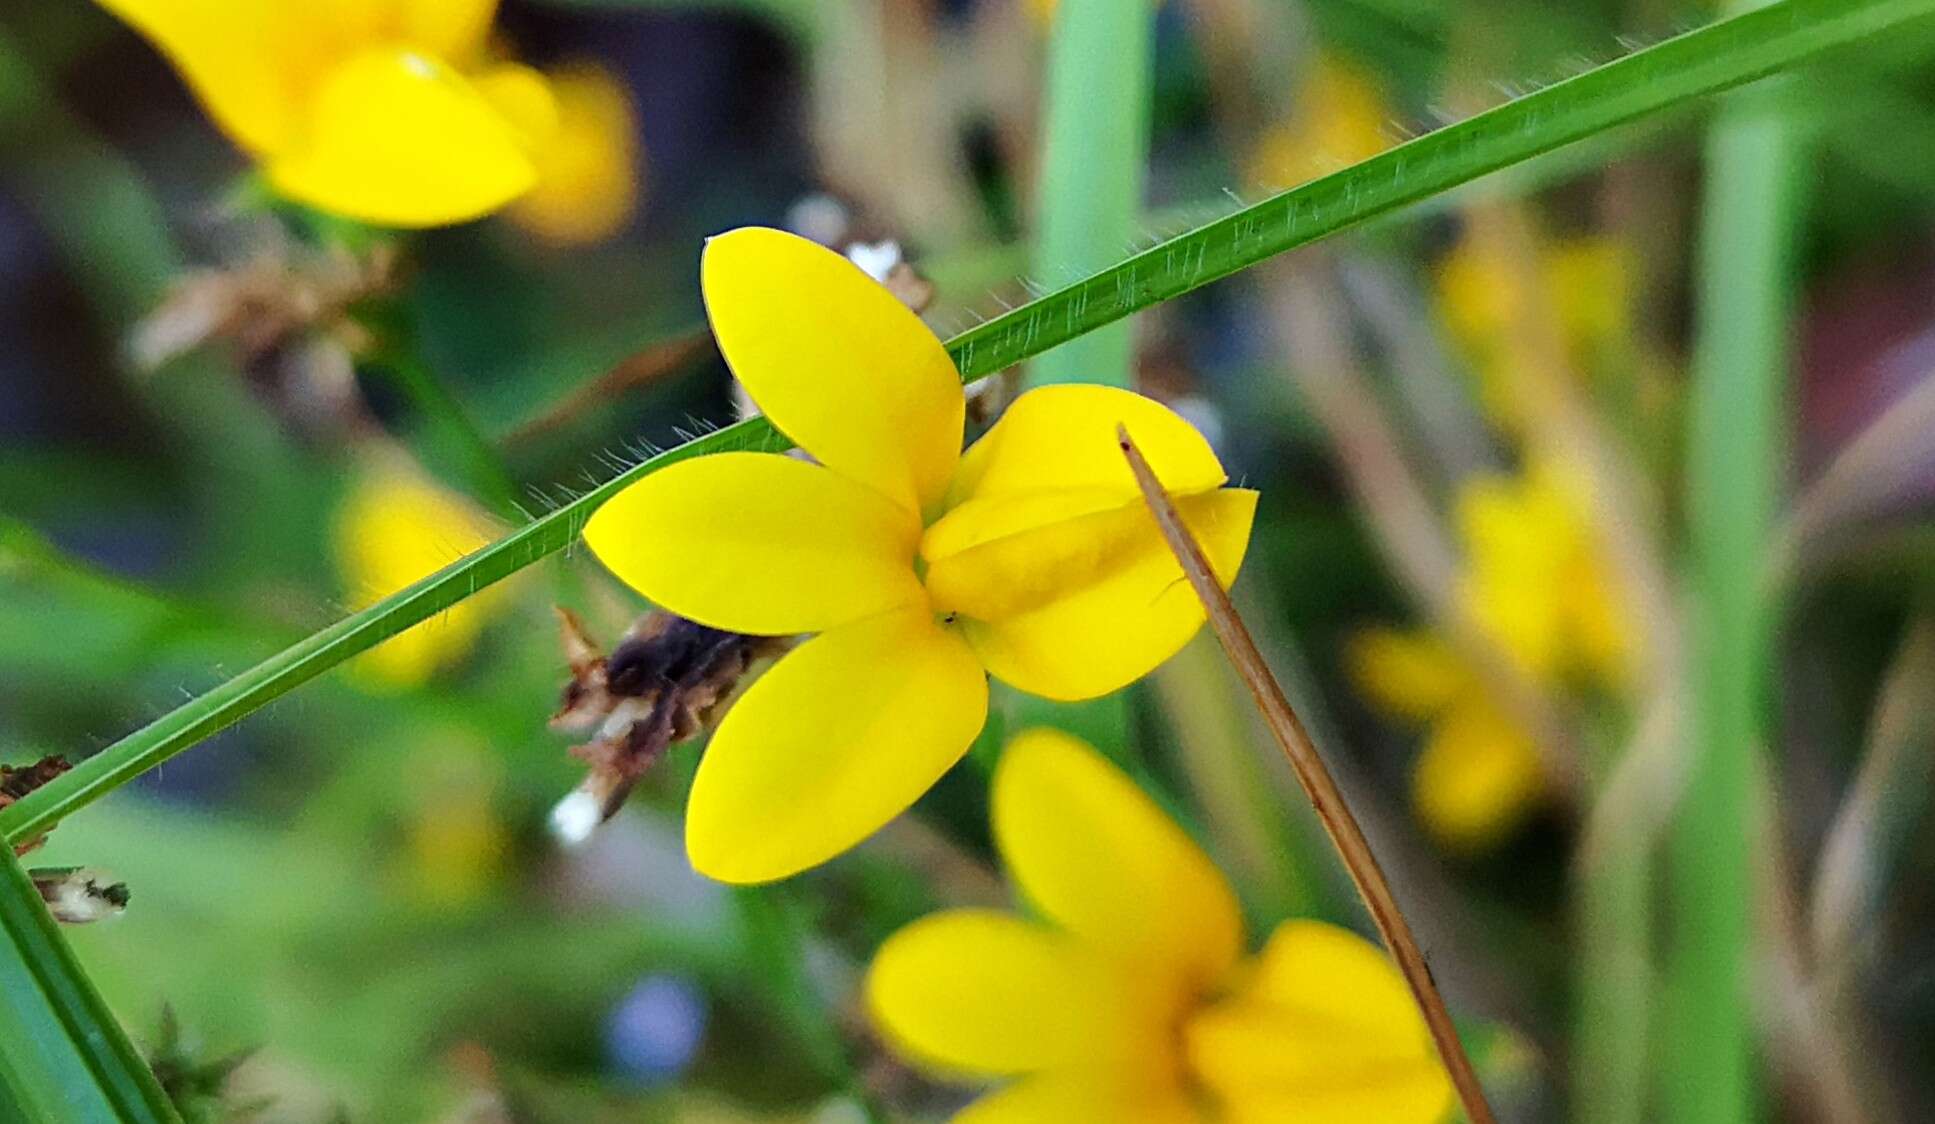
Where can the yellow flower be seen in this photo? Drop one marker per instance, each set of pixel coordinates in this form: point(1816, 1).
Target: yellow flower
point(1131, 1000)
point(393, 529)
point(587, 173)
point(1587, 280)
point(1339, 120)
point(1030, 556)
point(1479, 771)
point(1536, 580)
point(385, 111)
point(1535, 583)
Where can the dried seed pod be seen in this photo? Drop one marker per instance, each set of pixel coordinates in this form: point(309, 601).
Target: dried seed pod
point(666, 680)
point(76, 895)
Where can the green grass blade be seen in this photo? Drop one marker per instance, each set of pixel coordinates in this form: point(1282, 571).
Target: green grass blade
point(1095, 142)
point(63, 1056)
point(1750, 216)
point(1715, 58)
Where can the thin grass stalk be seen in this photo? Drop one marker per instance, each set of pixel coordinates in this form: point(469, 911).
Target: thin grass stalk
point(1318, 785)
point(63, 1055)
point(1749, 213)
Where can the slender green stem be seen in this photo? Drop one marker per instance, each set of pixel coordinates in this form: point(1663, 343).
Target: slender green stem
point(1715, 58)
point(1095, 142)
point(1735, 441)
point(456, 432)
point(62, 1052)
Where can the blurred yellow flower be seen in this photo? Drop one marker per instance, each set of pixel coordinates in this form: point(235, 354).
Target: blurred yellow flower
point(587, 173)
point(1131, 1000)
point(1339, 119)
point(1587, 280)
point(385, 111)
point(1535, 582)
point(455, 840)
point(393, 529)
point(922, 568)
point(1478, 773)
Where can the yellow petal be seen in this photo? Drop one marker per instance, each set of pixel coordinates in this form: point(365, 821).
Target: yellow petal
point(1063, 438)
point(1325, 1031)
point(1477, 777)
point(455, 30)
point(251, 64)
point(837, 363)
point(397, 138)
point(838, 738)
point(1085, 606)
point(973, 992)
point(587, 170)
point(1411, 674)
point(1062, 1097)
point(759, 543)
point(1097, 857)
point(525, 100)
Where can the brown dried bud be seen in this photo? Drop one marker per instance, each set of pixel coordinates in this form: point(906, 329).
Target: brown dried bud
point(76, 895)
point(668, 679)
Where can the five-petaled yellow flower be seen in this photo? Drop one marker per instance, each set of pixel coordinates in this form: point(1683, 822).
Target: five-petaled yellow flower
point(1131, 1000)
point(921, 568)
point(1536, 583)
point(387, 111)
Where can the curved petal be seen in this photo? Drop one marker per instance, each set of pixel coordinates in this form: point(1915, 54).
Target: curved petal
point(587, 171)
point(1325, 1030)
point(1085, 606)
point(1477, 777)
point(251, 64)
point(398, 138)
point(842, 735)
point(1412, 674)
point(759, 543)
point(838, 364)
point(1099, 858)
point(974, 992)
point(452, 29)
point(1063, 437)
point(1061, 1097)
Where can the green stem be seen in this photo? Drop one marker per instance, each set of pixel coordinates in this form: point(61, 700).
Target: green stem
point(1614, 906)
point(1095, 142)
point(62, 1052)
point(457, 434)
point(1750, 212)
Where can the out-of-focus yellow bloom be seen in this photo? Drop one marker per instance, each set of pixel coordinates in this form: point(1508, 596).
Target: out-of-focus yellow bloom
point(1536, 578)
point(1131, 1000)
point(921, 568)
point(1478, 773)
point(1535, 582)
point(385, 111)
point(1339, 120)
point(587, 173)
point(393, 529)
point(1588, 282)
point(455, 841)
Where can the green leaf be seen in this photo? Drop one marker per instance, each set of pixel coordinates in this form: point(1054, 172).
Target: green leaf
point(62, 1054)
point(1714, 58)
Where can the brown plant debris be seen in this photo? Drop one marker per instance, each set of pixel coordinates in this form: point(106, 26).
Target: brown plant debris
point(667, 679)
point(17, 781)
